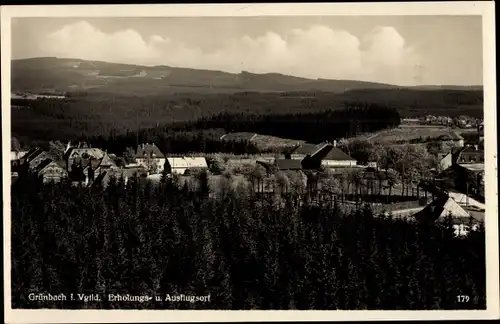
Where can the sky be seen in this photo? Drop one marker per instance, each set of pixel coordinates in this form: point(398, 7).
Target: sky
point(402, 50)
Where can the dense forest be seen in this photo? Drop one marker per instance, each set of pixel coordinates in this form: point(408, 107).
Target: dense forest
point(310, 127)
point(98, 113)
point(247, 252)
point(188, 125)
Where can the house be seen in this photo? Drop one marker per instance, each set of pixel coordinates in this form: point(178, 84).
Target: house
point(450, 158)
point(452, 139)
point(179, 165)
point(34, 157)
point(82, 154)
point(326, 154)
point(462, 155)
point(86, 168)
point(467, 178)
point(337, 158)
point(470, 155)
point(443, 207)
point(150, 157)
point(51, 171)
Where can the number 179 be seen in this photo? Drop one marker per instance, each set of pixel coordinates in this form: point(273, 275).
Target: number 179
point(463, 298)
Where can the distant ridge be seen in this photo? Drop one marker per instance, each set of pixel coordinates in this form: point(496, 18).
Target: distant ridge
point(71, 74)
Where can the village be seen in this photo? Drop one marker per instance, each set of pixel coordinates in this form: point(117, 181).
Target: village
point(454, 186)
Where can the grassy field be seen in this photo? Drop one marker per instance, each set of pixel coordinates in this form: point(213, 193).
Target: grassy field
point(264, 142)
point(407, 133)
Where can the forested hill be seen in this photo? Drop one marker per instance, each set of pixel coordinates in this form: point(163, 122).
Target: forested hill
point(52, 74)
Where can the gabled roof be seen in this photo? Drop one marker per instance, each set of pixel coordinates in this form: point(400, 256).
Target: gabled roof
point(337, 155)
point(32, 153)
point(51, 163)
point(106, 161)
point(306, 148)
point(148, 150)
point(42, 165)
point(33, 162)
point(286, 164)
point(441, 207)
point(82, 152)
point(311, 149)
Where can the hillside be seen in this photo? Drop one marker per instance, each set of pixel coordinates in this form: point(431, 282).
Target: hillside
point(105, 99)
point(62, 75)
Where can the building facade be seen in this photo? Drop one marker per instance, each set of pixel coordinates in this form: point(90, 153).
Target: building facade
point(150, 157)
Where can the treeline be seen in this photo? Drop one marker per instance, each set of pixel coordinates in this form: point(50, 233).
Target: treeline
point(313, 127)
point(204, 135)
point(171, 141)
point(111, 126)
point(246, 252)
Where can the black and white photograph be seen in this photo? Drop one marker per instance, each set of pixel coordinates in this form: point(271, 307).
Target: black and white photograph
point(251, 158)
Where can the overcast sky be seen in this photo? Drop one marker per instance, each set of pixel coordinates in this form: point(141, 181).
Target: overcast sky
point(404, 50)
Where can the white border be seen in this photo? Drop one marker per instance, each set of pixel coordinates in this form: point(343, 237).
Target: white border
point(485, 9)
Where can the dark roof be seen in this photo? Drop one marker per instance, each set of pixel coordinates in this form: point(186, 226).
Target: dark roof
point(32, 153)
point(334, 154)
point(148, 149)
point(107, 161)
point(432, 211)
point(337, 155)
point(306, 148)
point(285, 164)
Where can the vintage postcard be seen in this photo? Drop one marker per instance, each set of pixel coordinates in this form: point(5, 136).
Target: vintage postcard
point(249, 162)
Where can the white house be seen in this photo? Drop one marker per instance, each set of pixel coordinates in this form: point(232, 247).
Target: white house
point(333, 158)
point(150, 157)
point(179, 165)
point(337, 158)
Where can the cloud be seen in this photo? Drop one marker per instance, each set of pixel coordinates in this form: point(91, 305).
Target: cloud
point(315, 52)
